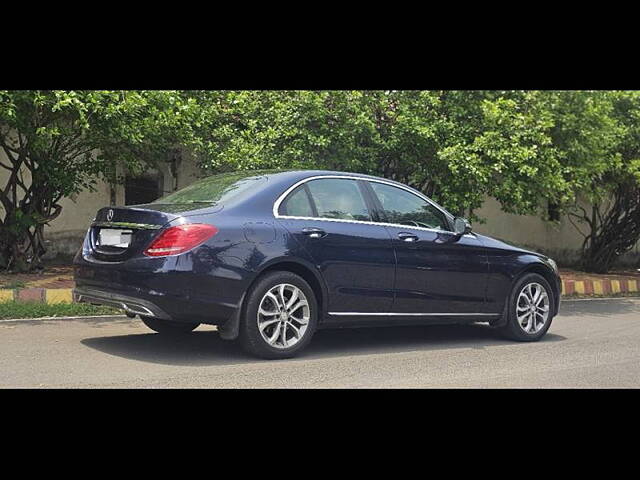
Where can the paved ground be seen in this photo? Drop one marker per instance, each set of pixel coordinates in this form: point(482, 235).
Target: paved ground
point(55, 276)
point(594, 343)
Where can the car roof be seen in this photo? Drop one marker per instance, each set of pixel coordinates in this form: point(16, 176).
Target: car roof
point(296, 175)
point(286, 178)
point(278, 181)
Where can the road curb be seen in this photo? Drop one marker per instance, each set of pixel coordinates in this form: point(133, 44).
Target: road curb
point(587, 287)
point(38, 295)
point(602, 287)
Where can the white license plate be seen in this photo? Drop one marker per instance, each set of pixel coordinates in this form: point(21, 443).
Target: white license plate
point(110, 237)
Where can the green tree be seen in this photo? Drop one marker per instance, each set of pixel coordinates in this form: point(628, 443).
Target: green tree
point(57, 143)
point(578, 150)
point(455, 146)
point(597, 137)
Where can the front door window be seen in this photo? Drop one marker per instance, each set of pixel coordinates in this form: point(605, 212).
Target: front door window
point(405, 208)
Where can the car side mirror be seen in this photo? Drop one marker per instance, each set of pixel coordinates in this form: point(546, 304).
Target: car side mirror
point(461, 226)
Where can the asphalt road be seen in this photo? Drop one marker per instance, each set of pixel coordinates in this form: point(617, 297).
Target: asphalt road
point(593, 343)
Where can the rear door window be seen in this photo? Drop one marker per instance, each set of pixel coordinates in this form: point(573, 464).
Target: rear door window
point(338, 198)
point(297, 204)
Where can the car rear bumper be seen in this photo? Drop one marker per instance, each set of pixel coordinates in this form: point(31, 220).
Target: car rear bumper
point(144, 288)
point(132, 305)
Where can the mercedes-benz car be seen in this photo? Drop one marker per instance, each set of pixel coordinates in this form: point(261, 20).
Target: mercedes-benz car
point(272, 256)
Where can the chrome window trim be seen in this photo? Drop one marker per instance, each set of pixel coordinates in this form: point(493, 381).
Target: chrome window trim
point(280, 199)
point(399, 314)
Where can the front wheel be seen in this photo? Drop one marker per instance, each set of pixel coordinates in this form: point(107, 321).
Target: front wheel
point(280, 316)
point(168, 327)
point(529, 311)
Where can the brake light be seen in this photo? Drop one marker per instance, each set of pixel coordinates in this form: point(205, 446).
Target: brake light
point(179, 239)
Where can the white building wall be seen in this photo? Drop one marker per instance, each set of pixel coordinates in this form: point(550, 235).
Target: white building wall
point(562, 241)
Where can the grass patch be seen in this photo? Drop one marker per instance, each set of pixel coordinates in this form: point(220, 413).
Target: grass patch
point(15, 309)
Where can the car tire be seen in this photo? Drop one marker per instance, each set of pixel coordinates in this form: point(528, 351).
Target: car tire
point(168, 327)
point(520, 325)
point(267, 332)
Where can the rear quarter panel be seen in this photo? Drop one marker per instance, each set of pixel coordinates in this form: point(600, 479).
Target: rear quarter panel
point(225, 266)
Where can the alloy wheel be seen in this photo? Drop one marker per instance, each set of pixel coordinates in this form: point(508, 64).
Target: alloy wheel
point(283, 316)
point(532, 308)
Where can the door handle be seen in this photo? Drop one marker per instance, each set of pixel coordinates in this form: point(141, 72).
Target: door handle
point(407, 237)
point(313, 232)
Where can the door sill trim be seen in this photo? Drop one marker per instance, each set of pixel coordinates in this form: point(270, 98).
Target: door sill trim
point(377, 314)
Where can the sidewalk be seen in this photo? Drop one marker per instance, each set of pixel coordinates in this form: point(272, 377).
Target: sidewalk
point(56, 284)
point(52, 286)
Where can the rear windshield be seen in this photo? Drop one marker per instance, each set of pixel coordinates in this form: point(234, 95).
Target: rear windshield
point(217, 189)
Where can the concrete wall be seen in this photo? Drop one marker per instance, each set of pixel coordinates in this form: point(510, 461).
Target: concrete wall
point(561, 241)
point(558, 240)
point(65, 234)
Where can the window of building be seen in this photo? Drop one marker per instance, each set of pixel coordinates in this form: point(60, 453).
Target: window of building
point(553, 210)
point(143, 189)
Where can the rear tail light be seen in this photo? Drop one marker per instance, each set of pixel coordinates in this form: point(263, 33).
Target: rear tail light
point(179, 239)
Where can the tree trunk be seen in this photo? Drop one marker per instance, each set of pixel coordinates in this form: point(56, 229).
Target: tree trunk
point(615, 232)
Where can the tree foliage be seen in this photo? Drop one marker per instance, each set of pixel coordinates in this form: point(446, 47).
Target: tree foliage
point(455, 146)
point(58, 143)
point(597, 137)
point(577, 150)
point(525, 148)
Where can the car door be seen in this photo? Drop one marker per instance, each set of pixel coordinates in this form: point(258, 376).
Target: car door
point(437, 271)
point(332, 219)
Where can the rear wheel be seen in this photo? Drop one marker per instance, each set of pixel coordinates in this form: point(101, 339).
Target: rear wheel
point(529, 311)
point(168, 327)
point(280, 316)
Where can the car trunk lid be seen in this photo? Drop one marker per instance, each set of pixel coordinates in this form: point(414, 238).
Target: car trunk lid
point(118, 233)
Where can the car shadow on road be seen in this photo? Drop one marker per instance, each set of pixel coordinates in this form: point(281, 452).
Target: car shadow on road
point(206, 348)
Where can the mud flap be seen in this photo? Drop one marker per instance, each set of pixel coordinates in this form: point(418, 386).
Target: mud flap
point(231, 328)
point(502, 321)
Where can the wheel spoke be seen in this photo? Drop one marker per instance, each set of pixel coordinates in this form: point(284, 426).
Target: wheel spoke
point(296, 330)
point(264, 325)
point(530, 323)
point(529, 293)
point(301, 321)
point(283, 299)
point(274, 299)
point(284, 334)
point(294, 297)
point(266, 313)
point(536, 296)
point(272, 339)
point(301, 303)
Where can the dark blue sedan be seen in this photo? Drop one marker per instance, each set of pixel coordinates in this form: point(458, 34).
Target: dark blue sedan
point(269, 257)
